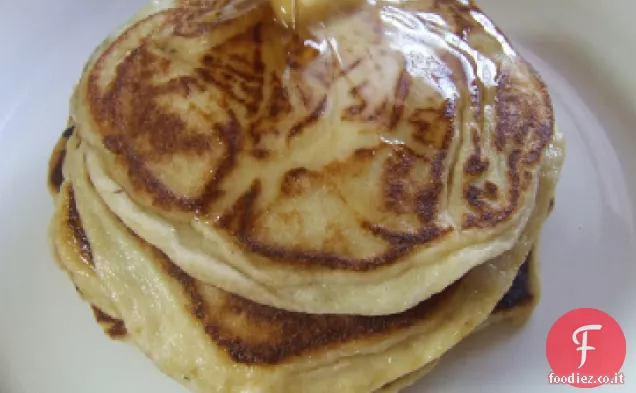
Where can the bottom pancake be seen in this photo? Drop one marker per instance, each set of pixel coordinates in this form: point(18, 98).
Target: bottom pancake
point(407, 380)
point(515, 306)
point(210, 340)
point(514, 309)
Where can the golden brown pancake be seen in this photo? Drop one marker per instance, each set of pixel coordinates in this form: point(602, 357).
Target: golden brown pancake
point(384, 158)
point(519, 300)
point(69, 243)
point(209, 339)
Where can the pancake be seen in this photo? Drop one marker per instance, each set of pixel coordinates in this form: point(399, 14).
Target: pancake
point(513, 309)
point(291, 175)
point(211, 340)
point(68, 236)
point(408, 380)
point(69, 243)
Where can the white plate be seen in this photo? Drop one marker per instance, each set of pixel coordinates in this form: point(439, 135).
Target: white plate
point(585, 49)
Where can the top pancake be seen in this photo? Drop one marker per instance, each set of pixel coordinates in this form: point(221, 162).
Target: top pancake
point(393, 138)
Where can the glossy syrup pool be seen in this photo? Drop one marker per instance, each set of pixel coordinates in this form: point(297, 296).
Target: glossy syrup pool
point(588, 244)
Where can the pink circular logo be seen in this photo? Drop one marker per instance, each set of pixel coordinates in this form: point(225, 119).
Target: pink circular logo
point(586, 348)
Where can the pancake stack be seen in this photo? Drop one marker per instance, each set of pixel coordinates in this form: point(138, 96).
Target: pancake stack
point(260, 210)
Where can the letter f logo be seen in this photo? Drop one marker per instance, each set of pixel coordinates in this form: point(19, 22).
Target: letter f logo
point(583, 344)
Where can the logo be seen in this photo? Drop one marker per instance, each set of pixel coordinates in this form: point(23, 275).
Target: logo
point(586, 348)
